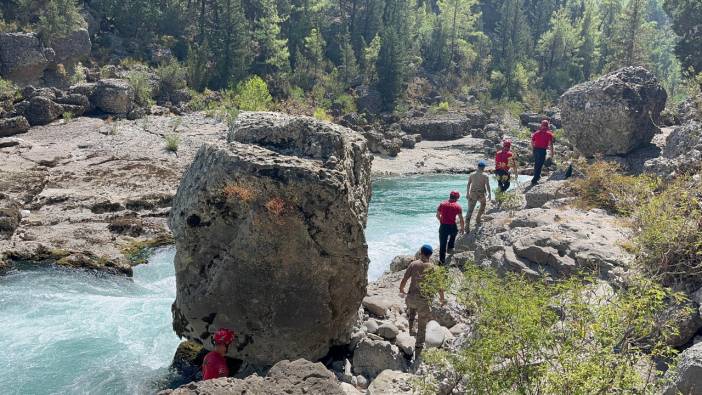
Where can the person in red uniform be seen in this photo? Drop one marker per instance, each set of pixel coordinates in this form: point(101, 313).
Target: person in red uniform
point(446, 214)
point(214, 364)
point(504, 160)
point(541, 140)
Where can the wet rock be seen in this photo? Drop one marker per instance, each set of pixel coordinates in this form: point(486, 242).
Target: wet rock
point(615, 114)
point(373, 356)
point(13, 126)
point(272, 176)
point(113, 96)
point(22, 58)
point(294, 378)
point(188, 358)
point(392, 382)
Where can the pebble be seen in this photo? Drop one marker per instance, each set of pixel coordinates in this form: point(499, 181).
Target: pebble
point(371, 326)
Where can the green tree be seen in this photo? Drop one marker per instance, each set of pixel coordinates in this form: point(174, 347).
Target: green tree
point(589, 48)
point(59, 18)
point(632, 36)
point(609, 14)
point(686, 16)
point(392, 57)
point(559, 50)
point(511, 43)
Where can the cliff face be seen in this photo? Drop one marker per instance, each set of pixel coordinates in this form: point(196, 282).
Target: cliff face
point(269, 234)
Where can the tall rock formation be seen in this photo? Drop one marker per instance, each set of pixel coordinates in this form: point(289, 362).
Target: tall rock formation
point(614, 114)
point(269, 231)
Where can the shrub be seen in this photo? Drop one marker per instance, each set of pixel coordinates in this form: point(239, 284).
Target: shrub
point(322, 115)
point(253, 95)
point(443, 106)
point(345, 103)
point(59, 18)
point(67, 116)
point(173, 77)
point(224, 110)
point(8, 90)
point(276, 206)
point(603, 186)
point(139, 81)
point(530, 337)
point(172, 141)
point(668, 239)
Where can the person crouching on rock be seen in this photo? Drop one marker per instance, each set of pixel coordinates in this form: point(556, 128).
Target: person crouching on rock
point(446, 214)
point(417, 305)
point(214, 364)
point(504, 160)
point(541, 140)
point(478, 187)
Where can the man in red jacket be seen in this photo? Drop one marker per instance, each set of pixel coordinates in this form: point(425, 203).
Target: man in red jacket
point(446, 213)
point(541, 140)
point(214, 365)
point(504, 160)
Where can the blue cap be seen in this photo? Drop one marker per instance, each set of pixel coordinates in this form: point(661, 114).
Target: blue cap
point(482, 163)
point(427, 250)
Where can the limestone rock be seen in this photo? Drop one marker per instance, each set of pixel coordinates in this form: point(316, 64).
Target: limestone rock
point(373, 356)
point(401, 262)
point(687, 378)
point(72, 48)
point(436, 334)
point(280, 176)
point(614, 114)
point(42, 110)
point(113, 96)
point(22, 58)
point(388, 331)
point(378, 305)
point(13, 126)
point(10, 216)
point(349, 389)
point(449, 126)
point(378, 144)
point(294, 378)
point(391, 382)
point(371, 326)
point(406, 343)
point(188, 358)
point(542, 193)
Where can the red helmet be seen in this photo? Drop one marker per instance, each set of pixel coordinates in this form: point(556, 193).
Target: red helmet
point(454, 195)
point(506, 143)
point(223, 336)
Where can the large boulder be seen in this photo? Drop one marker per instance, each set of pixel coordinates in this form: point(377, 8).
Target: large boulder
point(686, 378)
point(13, 126)
point(42, 110)
point(614, 114)
point(269, 231)
point(72, 48)
point(23, 58)
point(294, 378)
point(113, 96)
point(448, 126)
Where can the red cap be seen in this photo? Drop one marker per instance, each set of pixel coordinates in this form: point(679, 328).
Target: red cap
point(223, 336)
point(506, 143)
point(454, 195)
point(544, 122)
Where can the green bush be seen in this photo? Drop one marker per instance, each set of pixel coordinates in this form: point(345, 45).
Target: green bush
point(225, 110)
point(78, 75)
point(322, 115)
point(67, 116)
point(172, 76)
point(253, 95)
point(529, 337)
point(603, 186)
point(668, 237)
point(139, 81)
point(8, 90)
point(59, 18)
point(172, 141)
point(346, 103)
point(443, 106)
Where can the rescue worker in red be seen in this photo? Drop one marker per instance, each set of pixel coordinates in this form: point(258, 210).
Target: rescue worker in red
point(541, 140)
point(214, 364)
point(504, 160)
point(446, 214)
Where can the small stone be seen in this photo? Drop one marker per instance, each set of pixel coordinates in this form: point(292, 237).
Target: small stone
point(371, 326)
point(377, 305)
point(458, 329)
point(406, 343)
point(435, 335)
point(388, 331)
point(361, 381)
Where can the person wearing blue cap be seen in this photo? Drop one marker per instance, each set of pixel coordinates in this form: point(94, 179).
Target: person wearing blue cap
point(417, 304)
point(478, 187)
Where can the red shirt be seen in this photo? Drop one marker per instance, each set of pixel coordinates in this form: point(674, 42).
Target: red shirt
point(502, 160)
point(542, 138)
point(214, 366)
point(449, 210)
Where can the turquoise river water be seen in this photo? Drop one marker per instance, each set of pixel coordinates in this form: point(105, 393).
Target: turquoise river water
point(67, 332)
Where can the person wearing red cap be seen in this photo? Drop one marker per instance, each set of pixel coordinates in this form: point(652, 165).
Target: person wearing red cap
point(446, 213)
point(214, 365)
point(541, 140)
point(504, 160)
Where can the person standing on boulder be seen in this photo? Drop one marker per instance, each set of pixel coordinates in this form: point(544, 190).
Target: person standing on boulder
point(446, 213)
point(541, 140)
point(504, 160)
point(478, 187)
point(214, 364)
point(418, 306)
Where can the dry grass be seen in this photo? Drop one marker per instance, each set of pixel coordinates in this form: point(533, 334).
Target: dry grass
point(276, 206)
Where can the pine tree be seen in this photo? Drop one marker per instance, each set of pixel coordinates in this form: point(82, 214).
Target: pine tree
point(349, 66)
point(686, 16)
point(609, 12)
point(511, 43)
point(632, 36)
point(558, 53)
point(588, 52)
point(392, 58)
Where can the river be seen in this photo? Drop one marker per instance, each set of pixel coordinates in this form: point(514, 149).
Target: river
point(63, 331)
